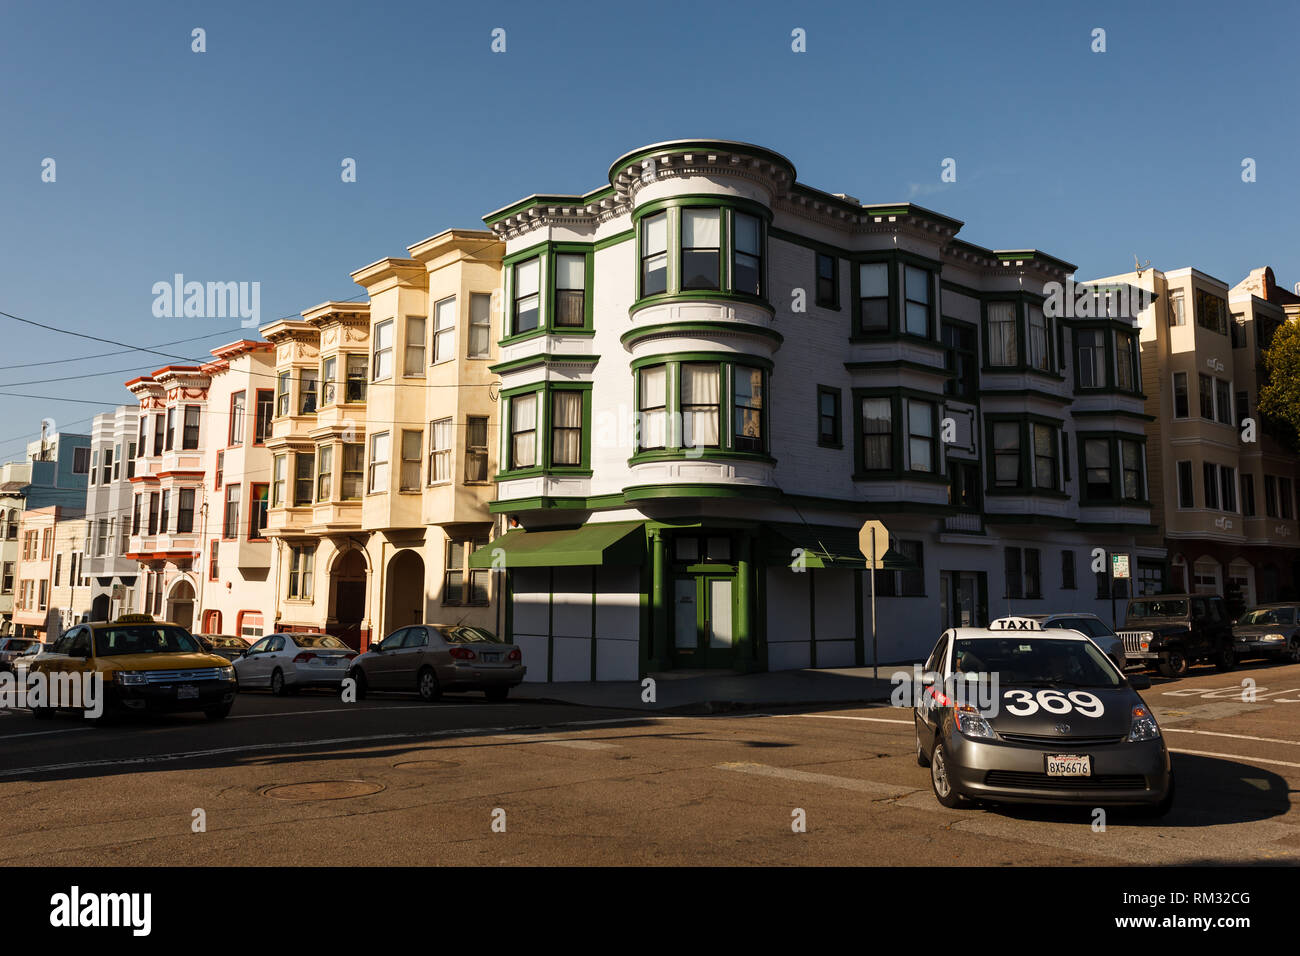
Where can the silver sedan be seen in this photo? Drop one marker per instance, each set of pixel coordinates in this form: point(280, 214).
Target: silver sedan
point(287, 662)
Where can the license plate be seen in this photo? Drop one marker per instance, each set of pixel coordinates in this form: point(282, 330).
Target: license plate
point(1069, 765)
point(490, 658)
point(187, 692)
point(329, 661)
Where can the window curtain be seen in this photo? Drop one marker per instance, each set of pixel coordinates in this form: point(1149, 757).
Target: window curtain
point(440, 445)
point(749, 404)
point(1039, 356)
point(566, 428)
point(654, 398)
point(1002, 334)
point(877, 434)
point(523, 425)
point(699, 405)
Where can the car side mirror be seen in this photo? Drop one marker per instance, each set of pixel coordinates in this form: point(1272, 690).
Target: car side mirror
point(1139, 681)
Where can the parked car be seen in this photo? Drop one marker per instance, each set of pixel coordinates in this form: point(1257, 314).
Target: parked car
point(228, 646)
point(1270, 630)
point(1066, 726)
point(432, 658)
point(1090, 625)
point(22, 662)
point(11, 647)
point(1175, 631)
point(145, 665)
point(287, 662)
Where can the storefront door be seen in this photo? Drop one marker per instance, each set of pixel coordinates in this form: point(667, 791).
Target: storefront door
point(703, 620)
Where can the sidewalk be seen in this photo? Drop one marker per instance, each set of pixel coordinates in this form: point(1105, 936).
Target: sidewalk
point(703, 692)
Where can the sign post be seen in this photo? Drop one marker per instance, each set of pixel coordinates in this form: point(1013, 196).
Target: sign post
point(1118, 570)
point(873, 542)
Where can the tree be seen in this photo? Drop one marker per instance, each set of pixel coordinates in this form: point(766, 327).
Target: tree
point(1279, 396)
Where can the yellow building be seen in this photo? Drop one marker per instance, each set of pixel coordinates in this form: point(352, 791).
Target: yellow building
point(383, 445)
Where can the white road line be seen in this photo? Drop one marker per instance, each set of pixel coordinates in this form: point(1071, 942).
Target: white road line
point(1215, 733)
point(43, 733)
point(359, 710)
point(874, 720)
point(1244, 757)
point(803, 776)
point(575, 744)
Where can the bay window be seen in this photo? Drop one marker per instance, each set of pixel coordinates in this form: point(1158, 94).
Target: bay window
point(566, 427)
point(230, 528)
point(354, 467)
point(444, 330)
point(1040, 340)
point(1003, 348)
point(480, 325)
point(304, 473)
point(356, 383)
point(279, 474)
point(476, 449)
point(746, 257)
point(412, 444)
point(654, 254)
point(440, 450)
point(380, 445)
point(917, 285)
point(1132, 461)
point(324, 472)
point(307, 381)
point(1090, 352)
point(1046, 471)
point(570, 290)
point(382, 365)
point(282, 395)
point(523, 431)
point(1126, 362)
point(1006, 454)
point(329, 380)
point(700, 404)
point(652, 407)
point(701, 245)
point(920, 435)
point(413, 365)
point(877, 434)
point(747, 401)
point(524, 312)
point(873, 296)
point(1096, 469)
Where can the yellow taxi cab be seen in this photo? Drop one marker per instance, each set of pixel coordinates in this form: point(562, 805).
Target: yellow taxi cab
point(137, 664)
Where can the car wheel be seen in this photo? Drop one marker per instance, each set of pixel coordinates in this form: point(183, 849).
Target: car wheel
point(219, 713)
point(497, 693)
point(921, 759)
point(1161, 808)
point(359, 676)
point(427, 684)
point(277, 682)
point(1293, 651)
point(1225, 658)
point(945, 791)
point(1175, 664)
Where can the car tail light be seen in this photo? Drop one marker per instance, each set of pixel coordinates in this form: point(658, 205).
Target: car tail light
point(462, 654)
point(515, 655)
point(304, 657)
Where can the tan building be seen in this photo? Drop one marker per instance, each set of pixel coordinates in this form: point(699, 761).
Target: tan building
point(381, 446)
point(1223, 491)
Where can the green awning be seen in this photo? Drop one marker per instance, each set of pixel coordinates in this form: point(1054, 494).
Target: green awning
point(610, 543)
point(823, 546)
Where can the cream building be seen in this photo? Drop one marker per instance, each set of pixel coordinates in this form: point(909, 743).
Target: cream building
point(383, 445)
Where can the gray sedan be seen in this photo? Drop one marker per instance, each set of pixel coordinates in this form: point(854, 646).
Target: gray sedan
point(431, 658)
point(1269, 630)
point(1018, 714)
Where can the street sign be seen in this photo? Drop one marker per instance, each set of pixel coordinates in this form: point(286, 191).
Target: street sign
point(1119, 566)
point(119, 592)
point(873, 542)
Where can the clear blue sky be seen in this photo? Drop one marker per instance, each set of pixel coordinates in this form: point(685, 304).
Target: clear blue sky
point(225, 165)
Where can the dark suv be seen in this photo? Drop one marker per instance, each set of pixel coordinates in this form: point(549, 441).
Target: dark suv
point(1175, 631)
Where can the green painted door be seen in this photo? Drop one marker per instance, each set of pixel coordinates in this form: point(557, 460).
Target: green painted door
point(704, 620)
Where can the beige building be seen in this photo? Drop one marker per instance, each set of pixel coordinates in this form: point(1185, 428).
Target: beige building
point(1223, 491)
point(382, 462)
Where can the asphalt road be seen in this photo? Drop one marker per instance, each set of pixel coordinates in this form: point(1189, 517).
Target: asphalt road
point(310, 780)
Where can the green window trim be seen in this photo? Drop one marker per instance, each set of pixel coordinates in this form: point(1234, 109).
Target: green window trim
point(1025, 470)
point(728, 207)
point(1116, 497)
point(1110, 332)
point(895, 320)
point(1053, 346)
point(727, 363)
point(836, 439)
point(544, 440)
point(900, 436)
point(547, 254)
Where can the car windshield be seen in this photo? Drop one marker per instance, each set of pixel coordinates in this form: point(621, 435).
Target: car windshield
point(1157, 609)
point(223, 641)
point(143, 639)
point(468, 635)
point(1269, 615)
point(18, 644)
point(319, 640)
point(1038, 660)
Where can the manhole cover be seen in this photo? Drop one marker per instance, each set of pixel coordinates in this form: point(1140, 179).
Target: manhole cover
point(323, 790)
point(425, 764)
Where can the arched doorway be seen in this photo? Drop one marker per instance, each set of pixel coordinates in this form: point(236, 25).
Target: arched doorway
point(404, 593)
point(180, 604)
point(99, 608)
point(348, 597)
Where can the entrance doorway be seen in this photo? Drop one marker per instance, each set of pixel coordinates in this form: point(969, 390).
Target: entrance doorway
point(404, 600)
point(180, 605)
point(963, 598)
point(348, 582)
point(703, 620)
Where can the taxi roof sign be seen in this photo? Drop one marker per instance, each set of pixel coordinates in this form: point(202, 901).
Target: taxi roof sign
point(1015, 624)
point(134, 619)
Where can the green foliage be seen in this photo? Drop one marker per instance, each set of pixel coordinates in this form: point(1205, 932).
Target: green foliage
point(1279, 396)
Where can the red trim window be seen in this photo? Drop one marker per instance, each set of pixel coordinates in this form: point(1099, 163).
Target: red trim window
point(237, 402)
point(258, 501)
point(230, 528)
point(265, 411)
point(221, 468)
point(214, 568)
point(212, 620)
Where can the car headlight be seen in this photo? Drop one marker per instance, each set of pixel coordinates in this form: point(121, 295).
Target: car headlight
point(971, 723)
point(130, 677)
point(1274, 637)
point(1144, 725)
point(1144, 640)
point(227, 672)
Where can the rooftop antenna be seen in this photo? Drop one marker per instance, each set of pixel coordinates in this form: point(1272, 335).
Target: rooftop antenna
point(1138, 267)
